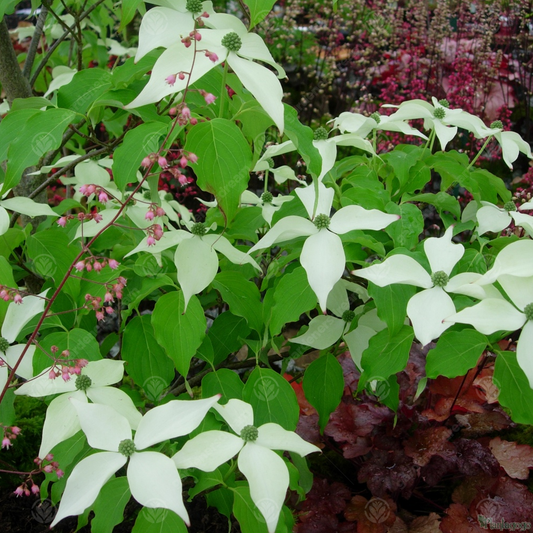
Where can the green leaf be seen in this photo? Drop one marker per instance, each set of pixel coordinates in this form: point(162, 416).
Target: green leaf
point(241, 295)
point(513, 384)
point(178, 332)
point(85, 87)
point(148, 364)
point(7, 408)
point(226, 334)
point(250, 518)
point(6, 278)
point(11, 128)
point(323, 332)
point(259, 9)
point(225, 382)
point(292, 297)
point(323, 385)
point(158, 521)
point(222, 500)
point(455, 354)
point(129, 7)
point(206, 480)
point(137, 144)
point(224, 161)
point(42, 133)
point(302, 137)
point(34, 102)
point(272, 398)
point(391, 302)
point(386, 355)
point(442, 201)
point(405, 232)
point(109, 506)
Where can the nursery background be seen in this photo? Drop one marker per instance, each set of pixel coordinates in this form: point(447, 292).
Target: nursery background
point(266, 266)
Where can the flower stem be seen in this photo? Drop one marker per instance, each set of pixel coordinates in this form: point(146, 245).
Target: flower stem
point(223, 90)
point(480, 152)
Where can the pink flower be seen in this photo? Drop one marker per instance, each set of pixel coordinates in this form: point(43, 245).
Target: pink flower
point(209, 98)
point(62, 221)
point(79, 266)
point(149, 215)
point(99, 315)
point(81, 363)
point(35, 489)
point(109, 310)
point(150, 241)
point(65, 374)
point(183, 162)
point(97, 217)
point(97, 266)
point(17, 299)
point(193, 158)
point(83, 190)
point(158, 231)
point(186, 112)
point(49, 457)
point(60, 473)
point(183, 180)
point(19, 491)
point(181, 76)
point(159, 211)
point(171, 80)
point(146, 162)
point(15, 430)
point(108, 297)
point(6, 443)
point(162, 162)
point(113, 264)
point(52, 374)
point(102, 197)
point(212, 56)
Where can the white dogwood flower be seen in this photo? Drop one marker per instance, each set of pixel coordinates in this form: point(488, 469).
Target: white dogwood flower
point(493, 218)
point(153, 479)
point(265, 471)
point(510, 142)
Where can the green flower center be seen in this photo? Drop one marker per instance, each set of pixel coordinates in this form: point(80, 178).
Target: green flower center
point(497, 125)
point(147, 195)
point(528, 311)
point(126, 447)
point(509, 206)
point(169, 196)
point(440, 279)
point(267, 197)
point(348, 316)
point(199, 229)
point(439, 113)
point(444, 103)
point(4, 344)
point(322, 221)
point(83, 382)
point(376, 117)
point(249, 433)
point(194, 6)
point(270, 162)
point(232, 41)
point(320, 134)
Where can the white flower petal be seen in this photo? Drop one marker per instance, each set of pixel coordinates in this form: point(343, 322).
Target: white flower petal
point(442, 253)
point(222, 245)
point(308, 197)
point(328, 153)
point(262, 83)
point(520, 290)
point(155, 483)
point(524, 351)
point(237, 414)
point(173, 419)
point(358, 341)
point(118, 400)
point(286, 229)
point(464, 283)
point(354, 123)
point(26, 206)
point(61, 421)
point(42, 385)
point(526, 206)
point(253, 47)
point(323, 332)
point(25, 369)
point(396, 269)
point(104, 372)
point(490, 315)
point(355, 140)
point(427, 310)
point(516, 259)
point(524, 221)
point(208, 450)
point(197, 265)
point(168, 240)
point(492, 218)
point(4, 221)
point(444, 133)
point(18, 315)
point(85, 482)
point(354, 217)
point(512, 144)
point(268, 478)
point(272, 151)
point(274, 437)
point(324, 261)
point(104, 427)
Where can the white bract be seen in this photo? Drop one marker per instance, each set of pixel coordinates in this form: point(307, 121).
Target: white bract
point(493, 218)
point(428, 308)
point(269, 204)
point(153, 479)
point(17, 316)
point(511, 144)
point(323, 254)
point(265, 470)
point(24, 206)
point(61, 420)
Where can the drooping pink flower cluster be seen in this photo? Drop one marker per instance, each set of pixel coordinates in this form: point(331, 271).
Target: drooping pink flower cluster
point(113, 290)
point(155, 232)
point(64, 366)
point(10, 434)
point(208, 97)
point(87, 190)
point(9, 294)
point(96, 263)
point(154, 211)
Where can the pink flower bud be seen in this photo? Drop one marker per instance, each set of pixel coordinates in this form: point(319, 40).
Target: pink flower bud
point(181, 76)
point(118, 294)
point(113, 264)
point(149, 215)
point(198, 36)
point(49, 457)
point(108, 298)
point(27, 491)
point(35, 489)
point(15, 430)
point(212, 56)
point(60, 473)
point(52, 374)
point(162, 162)
point(171, 80)
point(193, 158)
point(159, 212)
point(109, 310)
point(62, 221)
point(158, 231)
point(17, 299)
point(186, 112)
point(209, 98)
point(48, 469)
point(183, 162)
point(99, 315)
point(19, 491)
point(146, 162)
point(65, 353)
point(97, 266)
point(173, 111)
point(193, 121)
point(6, 443)
point(150, 241)
point(102, 197)
point(91, 189)
point(88, 267)
point(79, 266)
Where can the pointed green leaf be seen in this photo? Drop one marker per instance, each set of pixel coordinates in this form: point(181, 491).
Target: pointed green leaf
point(323, 386)
point(226, 334)
point(405, 232)
point(225, 382)
point(178, 332)
point(391, 302)
point(84, 88)
point(250, 518)
point(109, 506)
point(158, 521)
point(259, 9)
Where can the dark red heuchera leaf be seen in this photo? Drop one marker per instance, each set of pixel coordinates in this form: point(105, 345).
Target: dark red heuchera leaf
point(414, 371)
point(475, 425)
point(312, 522)
point(388, 472)
point(376, 515)
point(515, 459)
point(307, 428)
point(426, 443)
point(474, 458)
point(425, 524)
point(436, 469)
point(351, 374)
point(458, 520)
point(326, 498)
